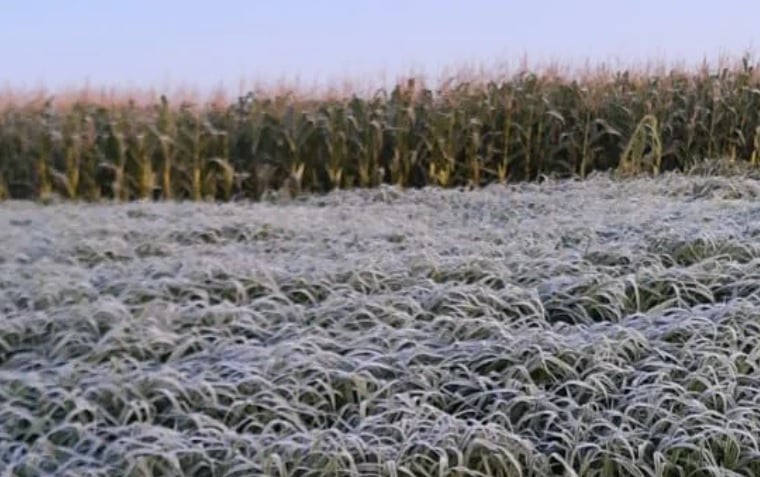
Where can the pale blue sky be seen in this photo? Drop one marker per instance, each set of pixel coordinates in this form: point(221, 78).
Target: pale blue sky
point(205, 43)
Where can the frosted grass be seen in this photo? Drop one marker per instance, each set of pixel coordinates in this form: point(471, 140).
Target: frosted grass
point(587, 328)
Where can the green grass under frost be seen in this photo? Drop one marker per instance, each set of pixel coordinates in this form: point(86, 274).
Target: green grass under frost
point(569, 328)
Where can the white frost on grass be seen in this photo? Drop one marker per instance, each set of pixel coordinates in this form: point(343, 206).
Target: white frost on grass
point(579, 324)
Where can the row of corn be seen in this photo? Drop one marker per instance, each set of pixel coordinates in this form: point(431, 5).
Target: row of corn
point(461, 134)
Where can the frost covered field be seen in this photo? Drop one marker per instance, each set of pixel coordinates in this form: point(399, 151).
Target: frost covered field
point(567, 328)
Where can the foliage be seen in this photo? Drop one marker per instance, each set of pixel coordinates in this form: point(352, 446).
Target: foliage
point(210, 340)
point(464, 133)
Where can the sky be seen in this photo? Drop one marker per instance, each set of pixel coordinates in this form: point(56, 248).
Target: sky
point(207, 44)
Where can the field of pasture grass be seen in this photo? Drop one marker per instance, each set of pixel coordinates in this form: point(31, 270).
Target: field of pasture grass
point(590, 328)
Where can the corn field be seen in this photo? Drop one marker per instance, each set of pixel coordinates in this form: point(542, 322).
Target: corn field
point(464, 133)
